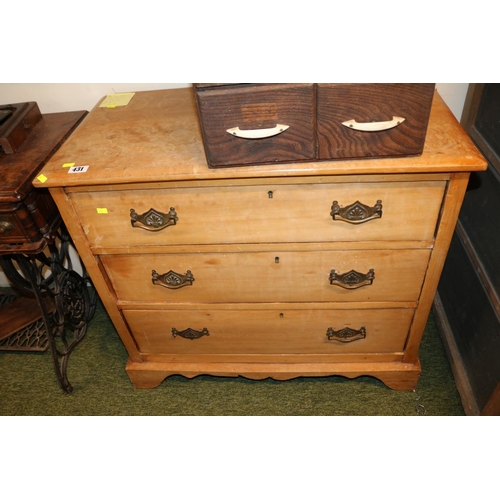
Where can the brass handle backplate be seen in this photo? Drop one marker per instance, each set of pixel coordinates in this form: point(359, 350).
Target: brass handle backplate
point(152, 220)
point(346, 334)
point(356, 213)
point(352, 279)
point(6, 227)
point(190, 334)
point(172, 279)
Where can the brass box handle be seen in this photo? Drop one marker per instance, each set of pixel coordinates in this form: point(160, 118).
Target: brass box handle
point(357, 212)
point(346, 334)
point(152, 220)
point(171, 279)
point(190, 334)
point(352, 279)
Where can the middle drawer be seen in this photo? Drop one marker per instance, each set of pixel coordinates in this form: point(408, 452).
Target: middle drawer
point(288, 276)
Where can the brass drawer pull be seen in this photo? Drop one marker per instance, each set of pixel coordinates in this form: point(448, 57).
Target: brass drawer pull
point(6, 227)
point(346, 334)
point(261, 133)
point(374, 126)
point(152, 220)
point(352, 279)
point(172, 279)
point(190, 334)
point(357, 212)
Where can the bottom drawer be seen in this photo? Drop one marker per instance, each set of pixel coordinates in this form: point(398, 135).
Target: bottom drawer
point(264, 331)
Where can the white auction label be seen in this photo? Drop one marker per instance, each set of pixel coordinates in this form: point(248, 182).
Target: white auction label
point(78, 170)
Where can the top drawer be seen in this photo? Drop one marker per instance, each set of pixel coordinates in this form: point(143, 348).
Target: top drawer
point(372, 120)
point(257, 123)
point(269, 213)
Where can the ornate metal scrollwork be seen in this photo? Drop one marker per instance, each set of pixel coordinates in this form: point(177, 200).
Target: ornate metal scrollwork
point(357, 212)
point(152, 220)
point(51, 276)
point(352, 279)
point(346, 334)
point(172, 279)
point(190, 334)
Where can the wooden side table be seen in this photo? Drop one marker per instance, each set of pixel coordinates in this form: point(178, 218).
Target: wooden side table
point(34, 248)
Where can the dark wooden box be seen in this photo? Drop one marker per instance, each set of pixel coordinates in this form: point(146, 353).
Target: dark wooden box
point(14, 132)
point(244, 124)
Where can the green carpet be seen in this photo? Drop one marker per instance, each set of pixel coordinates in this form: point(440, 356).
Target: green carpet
point(96, 370)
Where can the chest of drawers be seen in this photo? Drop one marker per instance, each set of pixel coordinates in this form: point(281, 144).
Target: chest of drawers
point(298, 269)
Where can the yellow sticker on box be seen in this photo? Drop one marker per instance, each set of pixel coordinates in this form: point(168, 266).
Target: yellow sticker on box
point(67, 165)
point(42, 178)
point(102, 210)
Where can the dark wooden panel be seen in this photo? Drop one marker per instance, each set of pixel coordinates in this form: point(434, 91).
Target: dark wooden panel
point(472, 318)
point(258, 107)
point(480, 216)
point(365, 103)
point(19, 169)
point(487, 120)
point(28, 215)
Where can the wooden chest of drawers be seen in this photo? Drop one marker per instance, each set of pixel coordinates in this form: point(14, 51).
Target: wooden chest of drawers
point(245, 124)
point(297, 269)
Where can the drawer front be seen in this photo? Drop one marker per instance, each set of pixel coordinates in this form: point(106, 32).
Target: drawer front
point(28, 221)
point(267, 123)
point(264, 214)
point(341, 276)
point(364, 120)
point(11, 229)
point(205, 331)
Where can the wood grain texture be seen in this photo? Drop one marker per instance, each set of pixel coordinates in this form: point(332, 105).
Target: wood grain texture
point(365, 103)
point(449, 215)
point(246, 214)
point(21, 313)
point(31, 214)
point(166, 141)
point(20, 168)
point(301, 276)
point(299, 331)
point(397, 376)
point(258, 107)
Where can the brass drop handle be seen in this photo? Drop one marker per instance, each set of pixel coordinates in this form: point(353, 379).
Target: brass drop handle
point(346, 334)
point(352, 279)
point(6, 227)
point(172, 280)
point(152, 220)
point(190, 334)
point(357, 212)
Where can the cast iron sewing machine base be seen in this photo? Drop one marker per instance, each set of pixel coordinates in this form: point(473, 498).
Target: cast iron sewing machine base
point(66, 301)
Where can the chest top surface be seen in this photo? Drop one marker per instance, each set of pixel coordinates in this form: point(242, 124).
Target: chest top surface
point(157, 137)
